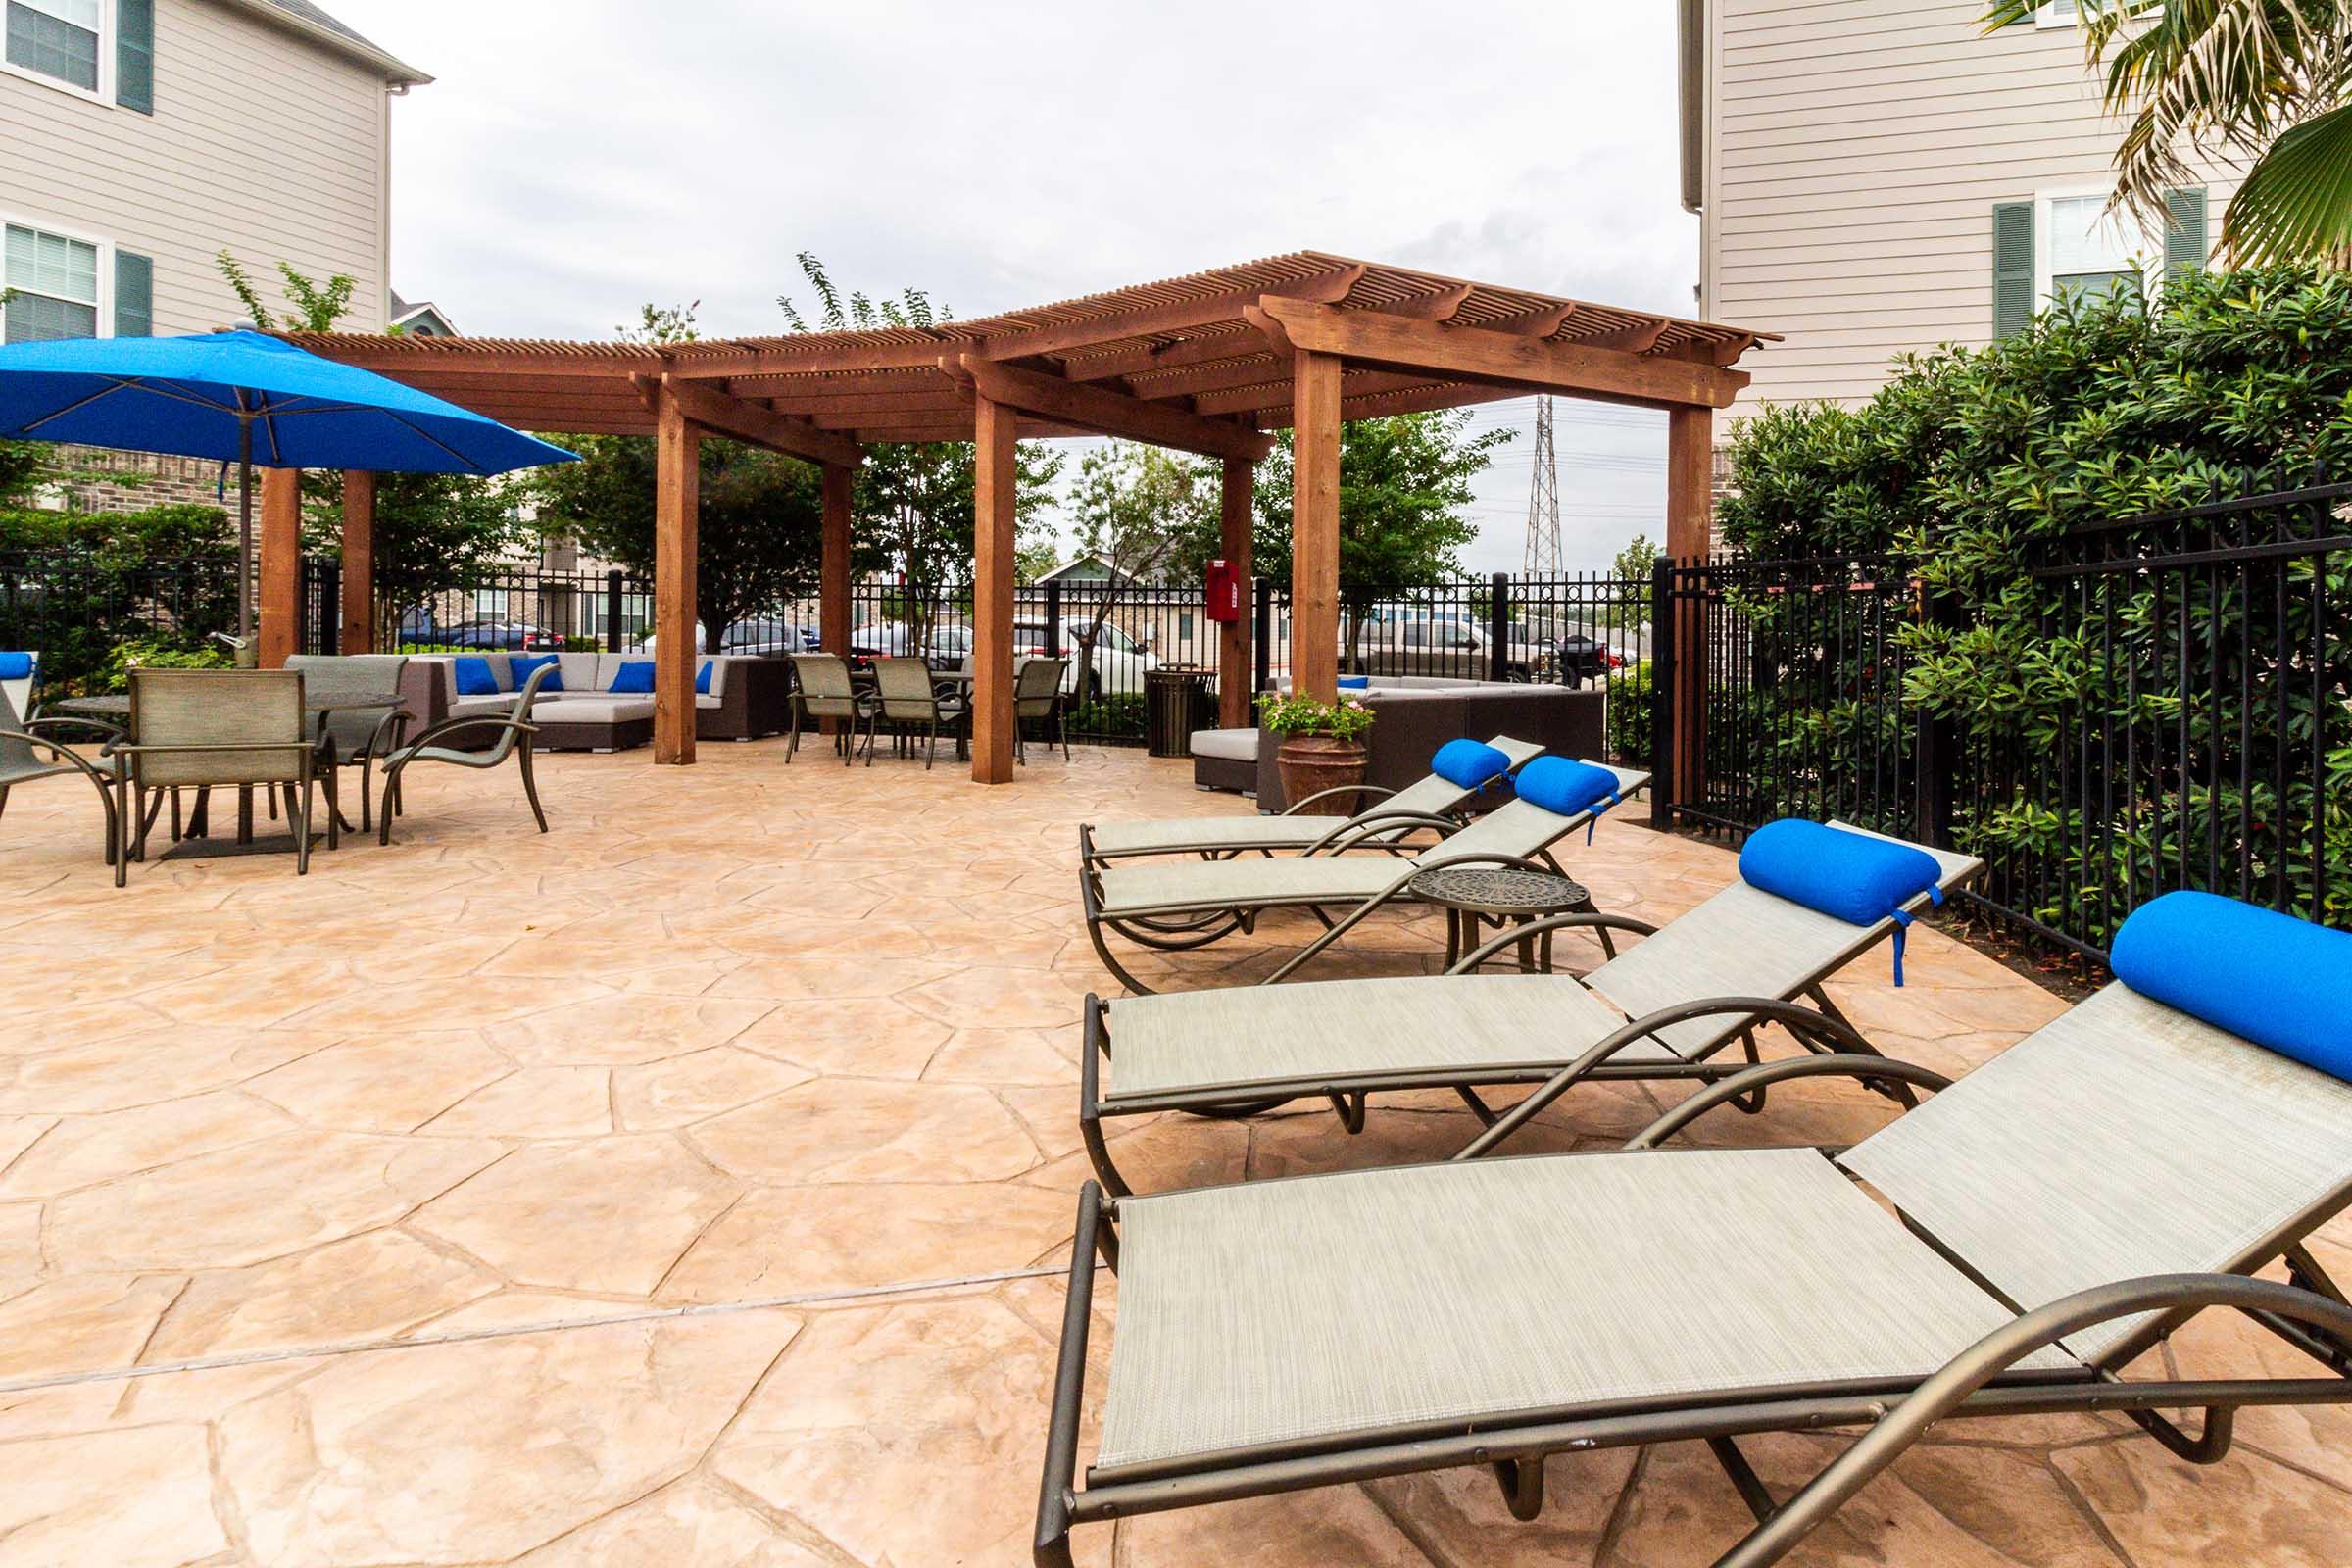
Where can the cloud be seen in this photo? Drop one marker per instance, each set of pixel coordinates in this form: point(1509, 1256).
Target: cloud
point(574, 161)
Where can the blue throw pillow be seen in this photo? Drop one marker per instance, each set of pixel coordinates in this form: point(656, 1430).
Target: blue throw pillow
point(1847, 877)
point(525, 669)
point(16, 666)
point(1355, 684)
point(701, 679)
point(2264, 976)
point(1567, 787)
point(635, 679)
point(474, 678)
point(1469, 763)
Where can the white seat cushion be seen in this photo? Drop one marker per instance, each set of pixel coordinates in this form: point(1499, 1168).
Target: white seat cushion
point(593, 709)
point(1226, 745)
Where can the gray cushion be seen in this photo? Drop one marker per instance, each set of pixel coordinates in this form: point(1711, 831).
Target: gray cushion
point(474, 706)
point(1230, 745)
point(567, 708)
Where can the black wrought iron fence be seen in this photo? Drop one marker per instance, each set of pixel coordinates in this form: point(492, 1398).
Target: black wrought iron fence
point(2182, 717)
point(87, 614)
point(522, 607)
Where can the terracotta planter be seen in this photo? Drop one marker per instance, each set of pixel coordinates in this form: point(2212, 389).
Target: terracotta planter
point(1312, 764)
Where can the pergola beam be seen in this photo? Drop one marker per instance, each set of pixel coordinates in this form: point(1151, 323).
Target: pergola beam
point(1469, 352)
point(1177, 315)
point(1110, 412)
point(747, 422)
point(1179, 354)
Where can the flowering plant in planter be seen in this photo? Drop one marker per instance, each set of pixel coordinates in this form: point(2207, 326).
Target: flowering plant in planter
point(1344, 721)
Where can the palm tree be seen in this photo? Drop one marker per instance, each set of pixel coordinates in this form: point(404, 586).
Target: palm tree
point(2269, 81)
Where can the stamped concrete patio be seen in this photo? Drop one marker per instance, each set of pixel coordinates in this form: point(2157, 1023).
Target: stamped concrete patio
point(689, 1187)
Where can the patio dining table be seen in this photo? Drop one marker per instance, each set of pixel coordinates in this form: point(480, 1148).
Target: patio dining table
point(195, 842)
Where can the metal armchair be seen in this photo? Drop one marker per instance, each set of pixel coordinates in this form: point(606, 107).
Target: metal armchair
point(1037, 695)
point(355, 737)
point(22, 743)
point(826, 690)
point(203, 728)
point(515, 732)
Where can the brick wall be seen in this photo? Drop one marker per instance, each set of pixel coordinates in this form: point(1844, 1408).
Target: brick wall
point(146, 480)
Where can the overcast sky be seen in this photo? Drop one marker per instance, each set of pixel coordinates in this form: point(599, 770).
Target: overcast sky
point(573, 160)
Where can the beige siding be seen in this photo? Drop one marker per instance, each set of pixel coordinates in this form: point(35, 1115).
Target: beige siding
point(1857, 149)
point(261, 143)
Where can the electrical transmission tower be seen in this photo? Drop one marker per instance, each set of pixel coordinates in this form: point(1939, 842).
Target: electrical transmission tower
point(1543, 500)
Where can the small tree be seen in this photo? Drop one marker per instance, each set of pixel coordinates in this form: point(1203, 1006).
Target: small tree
point(1405, 482)
point(315, 306)
point(1147, 514)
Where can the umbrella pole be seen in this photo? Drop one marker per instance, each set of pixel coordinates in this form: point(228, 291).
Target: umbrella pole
point(245, 528)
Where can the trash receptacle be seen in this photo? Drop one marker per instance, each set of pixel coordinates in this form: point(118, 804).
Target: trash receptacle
point(1172, 700)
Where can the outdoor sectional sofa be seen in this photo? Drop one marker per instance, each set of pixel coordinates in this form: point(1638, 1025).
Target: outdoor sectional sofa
point(750, 696)
point(1417, 715)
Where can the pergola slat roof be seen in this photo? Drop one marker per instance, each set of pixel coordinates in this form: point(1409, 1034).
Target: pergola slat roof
point(1208, 363)
point(1189, 345)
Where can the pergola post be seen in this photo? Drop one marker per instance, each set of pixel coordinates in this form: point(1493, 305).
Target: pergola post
point(677, 636)
point(1315, 527)
point(359, 562)
point(280, 594)
point(1234, 665)
point(833, 571)
point(992, 480)
point(1689, 537)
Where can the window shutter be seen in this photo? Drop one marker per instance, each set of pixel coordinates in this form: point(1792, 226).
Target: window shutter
point(2012, 267)
point(135, 55)
point(135, 295)
point(2185, 243)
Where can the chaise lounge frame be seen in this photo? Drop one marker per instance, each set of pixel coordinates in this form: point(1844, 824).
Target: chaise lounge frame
point(1987, 1379)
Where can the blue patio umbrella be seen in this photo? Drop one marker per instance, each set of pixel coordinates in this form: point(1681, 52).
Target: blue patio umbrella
point(245, 397)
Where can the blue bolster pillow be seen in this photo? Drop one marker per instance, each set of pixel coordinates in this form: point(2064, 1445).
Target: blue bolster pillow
point(701, 679)
point(525, 669)
point(474, 678)
point(2263, 976)
point(634, 678)
point(16, 666)
point(1469, 763)
point(1847, 877)
point(1567, 787)
point(1355, 684)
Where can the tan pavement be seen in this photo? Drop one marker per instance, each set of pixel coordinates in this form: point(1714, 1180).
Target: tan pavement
point(688, 1185)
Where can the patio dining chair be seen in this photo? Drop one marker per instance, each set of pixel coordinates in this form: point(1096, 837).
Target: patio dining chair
point(355, 737)
point(30, 751)
point(1669, 1008)
point(2058, 1213)
point(214, 729)
point(1459, 773)
point(907, 698)
point(826, 690)
point(1036, 698)
point(1182, 905)
point(512, 738)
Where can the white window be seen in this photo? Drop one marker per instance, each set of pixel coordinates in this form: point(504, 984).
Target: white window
point(490, 603)
point(2058, 13)
point(54, 285)
point(65, 42)
point(2089, 251)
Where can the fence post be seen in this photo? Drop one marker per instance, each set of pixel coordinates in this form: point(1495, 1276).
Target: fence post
point(614, 623)
point(1499, 629)
point(1662, 686)
point(329, 591)
point(1935, 752)
point(1261, 633)
point(1054, 625)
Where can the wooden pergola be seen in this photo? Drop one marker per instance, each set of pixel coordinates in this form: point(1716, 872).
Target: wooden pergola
point(1208, 363)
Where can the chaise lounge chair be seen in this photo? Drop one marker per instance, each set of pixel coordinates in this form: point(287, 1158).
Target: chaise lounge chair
point(1459, 775)
point(1183, 905)
point(1667, 1007)
point(2062, 1210)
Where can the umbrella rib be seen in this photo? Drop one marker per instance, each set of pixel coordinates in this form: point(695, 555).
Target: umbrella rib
point(471, 467)
point(117, 384)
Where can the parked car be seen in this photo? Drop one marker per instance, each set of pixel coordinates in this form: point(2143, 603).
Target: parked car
point(1442, 645)
point(419, 630)
point(944, 650)
point(760, 634)
point(1581, 658)
point(1119, 665)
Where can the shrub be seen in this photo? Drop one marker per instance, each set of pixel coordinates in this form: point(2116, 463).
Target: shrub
point(1633, 711)
point(1115, 716)
point(157, 653)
